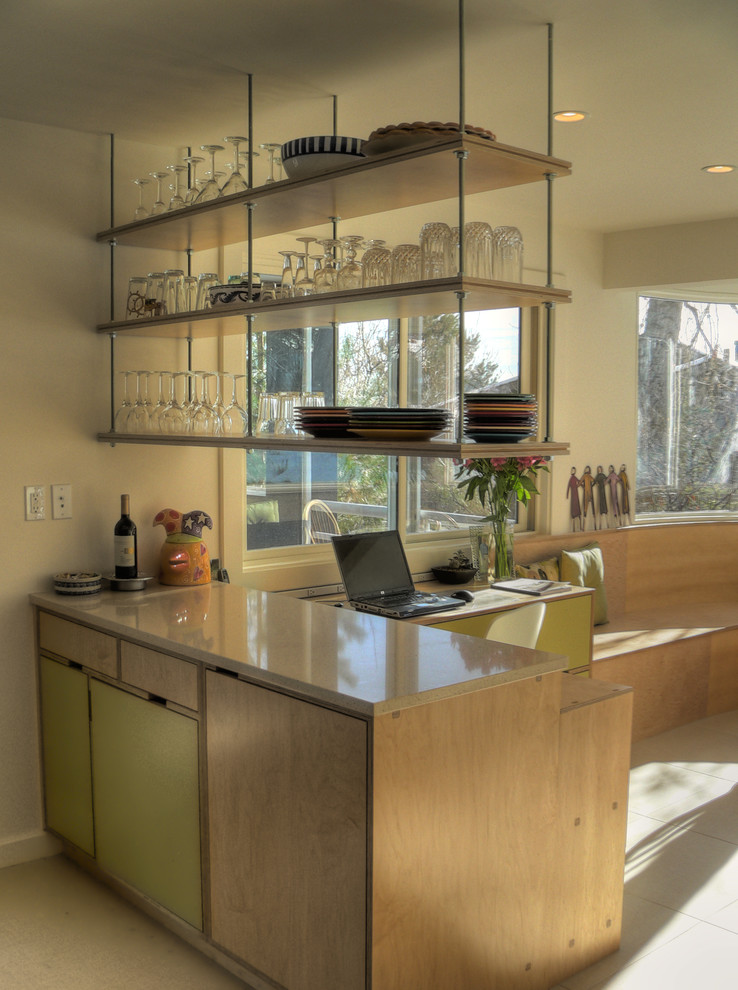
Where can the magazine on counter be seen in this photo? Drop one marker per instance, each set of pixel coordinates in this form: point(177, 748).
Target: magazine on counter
point(530, 586)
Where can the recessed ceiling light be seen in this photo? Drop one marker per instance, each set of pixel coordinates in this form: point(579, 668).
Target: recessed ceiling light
point(570, 116)
point(718, 169)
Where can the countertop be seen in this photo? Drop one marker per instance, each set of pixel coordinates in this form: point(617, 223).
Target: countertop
point(363, 664)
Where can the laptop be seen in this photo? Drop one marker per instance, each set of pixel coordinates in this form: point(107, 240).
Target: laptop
point(377, 578)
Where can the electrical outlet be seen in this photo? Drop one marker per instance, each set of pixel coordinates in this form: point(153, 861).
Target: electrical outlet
point(61, 501)
point(35, 502)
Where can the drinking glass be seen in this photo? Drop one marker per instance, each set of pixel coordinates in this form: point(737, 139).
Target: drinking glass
point(192, 189)
point(211, 189)
point(205, 281)
point(350, 274)
point(140, 414)
point(287, 282)
point(436, 250)
point(304, 285)
point(159, 205)
point(234, 421)
point(478, 242)
point(173, 291)
point(173, 419)
point(136, 302)
point(377, 263)
point(189, 293)
point(271, 150)
point(155, 294)
point(236, 183)
point(157, 411)
point(177, 200)
point(120, 423)
point(266, 416)
point(285, 423)
point(326, 279)
point(507, 254)
point(141, 211)
point(406, 263)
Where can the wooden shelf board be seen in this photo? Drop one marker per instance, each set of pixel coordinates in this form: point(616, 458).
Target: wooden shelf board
point(376, 184)
point(390, 448)
point(410, 299)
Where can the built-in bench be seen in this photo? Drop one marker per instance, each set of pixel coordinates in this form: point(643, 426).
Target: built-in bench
point(672, 630)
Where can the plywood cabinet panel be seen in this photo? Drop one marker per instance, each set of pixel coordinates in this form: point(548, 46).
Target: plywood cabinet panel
point(89, 647)
point(160, 674)
point(288, 833)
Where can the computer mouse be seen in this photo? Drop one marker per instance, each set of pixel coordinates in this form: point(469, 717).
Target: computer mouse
point(463, 595)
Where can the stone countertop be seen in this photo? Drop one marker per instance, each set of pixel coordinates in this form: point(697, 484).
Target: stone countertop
point(363, 664)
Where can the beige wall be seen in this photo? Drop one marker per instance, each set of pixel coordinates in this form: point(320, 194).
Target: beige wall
point(53, 398)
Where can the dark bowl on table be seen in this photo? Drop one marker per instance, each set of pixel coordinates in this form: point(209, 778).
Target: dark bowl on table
point(453, 575)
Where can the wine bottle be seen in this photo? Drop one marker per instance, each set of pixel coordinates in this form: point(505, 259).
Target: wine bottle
point(126, 547)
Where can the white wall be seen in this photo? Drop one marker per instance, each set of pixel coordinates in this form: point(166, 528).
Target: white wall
point(53, 399)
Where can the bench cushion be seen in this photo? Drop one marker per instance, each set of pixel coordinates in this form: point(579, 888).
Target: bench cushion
point(584, 568)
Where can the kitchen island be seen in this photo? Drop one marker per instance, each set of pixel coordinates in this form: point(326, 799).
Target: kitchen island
point(327, 800)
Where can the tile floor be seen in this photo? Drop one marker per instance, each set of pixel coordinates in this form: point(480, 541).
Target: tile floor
point(60, 929)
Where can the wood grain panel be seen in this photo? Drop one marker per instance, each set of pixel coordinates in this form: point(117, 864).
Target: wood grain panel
point(288, 833)
point(159, 674)
point(77, 643)
point(464, 820)
point(723, 687)
point(594, 762)
point(670, 683)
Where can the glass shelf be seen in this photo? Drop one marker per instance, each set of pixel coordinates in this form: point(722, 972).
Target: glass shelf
point(409, 299)
point(377, 184)
point(390, 448)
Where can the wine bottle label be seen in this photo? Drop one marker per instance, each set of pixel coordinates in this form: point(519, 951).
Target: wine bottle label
point(125, 551)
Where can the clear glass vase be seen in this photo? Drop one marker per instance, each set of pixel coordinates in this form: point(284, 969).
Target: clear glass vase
point(502, 564)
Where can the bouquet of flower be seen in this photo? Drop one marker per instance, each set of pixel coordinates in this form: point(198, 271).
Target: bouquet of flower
point(497, 482)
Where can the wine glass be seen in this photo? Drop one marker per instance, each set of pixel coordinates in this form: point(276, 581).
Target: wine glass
point(172, 419)
point(141, 211)
point(157, 411)
point(234, 420)
point(304, 284)
point(271, 150)
point(236, 183)
point(159, 205)
point(120, 423)
point(202, 418)
point(218, 406)
point(287, 282)
point(327, 278)
point(192, 191)
point(140, 415)
point(350, 274)
point(211, 189)
point(177, 201)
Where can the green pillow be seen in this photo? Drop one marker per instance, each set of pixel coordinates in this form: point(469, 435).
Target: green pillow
point(539, 570)
point(585, 568)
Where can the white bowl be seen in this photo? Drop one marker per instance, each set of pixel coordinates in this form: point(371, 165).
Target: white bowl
point(303, 166)
point(80, 583)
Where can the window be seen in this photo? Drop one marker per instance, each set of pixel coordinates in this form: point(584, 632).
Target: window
point(687, 406)
point(294, 498)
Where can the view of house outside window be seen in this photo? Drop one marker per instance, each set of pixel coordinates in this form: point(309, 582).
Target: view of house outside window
point(294, 498)
point(687, 407)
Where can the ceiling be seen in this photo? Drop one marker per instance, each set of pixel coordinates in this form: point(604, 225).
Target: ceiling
point(658, 77)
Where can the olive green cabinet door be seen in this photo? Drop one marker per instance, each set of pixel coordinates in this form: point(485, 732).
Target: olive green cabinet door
point(147, 813)
point(65, 732)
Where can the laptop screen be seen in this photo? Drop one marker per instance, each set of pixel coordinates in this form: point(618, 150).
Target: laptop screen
point(372, 564)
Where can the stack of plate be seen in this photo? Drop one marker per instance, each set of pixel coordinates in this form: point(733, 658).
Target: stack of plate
point(323, 421)
point(374, 423)
point(499, 418)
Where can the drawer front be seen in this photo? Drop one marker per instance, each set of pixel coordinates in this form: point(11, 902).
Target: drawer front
point(92, 649)
point(159, 674)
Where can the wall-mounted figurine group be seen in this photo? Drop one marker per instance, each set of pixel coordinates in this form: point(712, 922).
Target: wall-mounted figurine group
point(599, 501)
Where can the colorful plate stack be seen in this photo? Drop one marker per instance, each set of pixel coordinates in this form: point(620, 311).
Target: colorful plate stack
point(499, 418)
point(375, 423)
point(329, 422)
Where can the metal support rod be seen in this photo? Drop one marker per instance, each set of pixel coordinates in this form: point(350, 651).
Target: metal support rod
point(249, 376)
point(462, 157)
point(189, 252)
point(334, 370)
point(461, 296)
point(549, 398)
point(250, 207)
point(112, 382)
point(112, 181)
point(113, 244)
point(335, 115)
point(250, 132)
point(189, 368)
point(549, 229)
point(462, 61)
point(549, 121)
